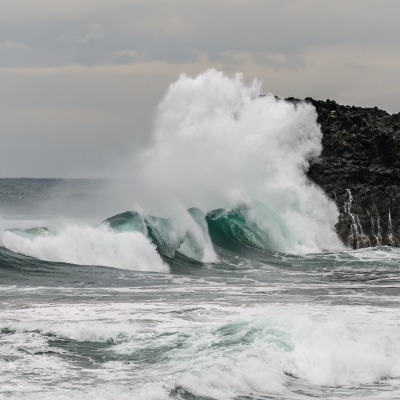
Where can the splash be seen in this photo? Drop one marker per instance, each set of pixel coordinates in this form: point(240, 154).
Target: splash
point(219, 143)
point(86, 245)
point(186, 233)
point(226, 166)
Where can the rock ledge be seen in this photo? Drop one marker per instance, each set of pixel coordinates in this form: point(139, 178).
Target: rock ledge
point(359, 168)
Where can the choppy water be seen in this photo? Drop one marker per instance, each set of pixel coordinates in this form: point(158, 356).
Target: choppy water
point(256, 324)
point(212, 273)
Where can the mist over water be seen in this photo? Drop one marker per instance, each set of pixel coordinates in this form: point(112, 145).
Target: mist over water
point(219, 143)
point(211, 272)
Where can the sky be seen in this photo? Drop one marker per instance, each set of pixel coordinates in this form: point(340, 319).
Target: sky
point(80, 80)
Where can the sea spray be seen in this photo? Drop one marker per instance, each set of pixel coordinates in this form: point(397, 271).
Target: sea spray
point(186, 233)
point(87, 245)
point(267, 353)
point(219, 143)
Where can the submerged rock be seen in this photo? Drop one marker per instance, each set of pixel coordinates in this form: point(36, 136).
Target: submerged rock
point(359, 168)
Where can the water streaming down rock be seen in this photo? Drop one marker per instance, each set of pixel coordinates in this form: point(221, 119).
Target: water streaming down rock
point(356, 235)
point(376, 227)
point(391, 235)
point(361, 152)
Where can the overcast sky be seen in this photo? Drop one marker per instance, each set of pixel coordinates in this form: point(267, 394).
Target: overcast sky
point(80, 79)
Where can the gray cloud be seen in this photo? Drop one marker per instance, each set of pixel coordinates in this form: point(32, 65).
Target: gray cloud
point(14, 44)
point(181, 30)
point(81, 80)
point(94, 32)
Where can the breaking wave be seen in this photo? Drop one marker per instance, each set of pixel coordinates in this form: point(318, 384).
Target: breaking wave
point(226, 168)
point(219, 143)
point(86, 246)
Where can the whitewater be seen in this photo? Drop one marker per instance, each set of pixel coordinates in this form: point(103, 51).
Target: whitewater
point(212, 270)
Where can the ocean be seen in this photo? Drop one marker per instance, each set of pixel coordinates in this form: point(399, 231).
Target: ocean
point(213, 272)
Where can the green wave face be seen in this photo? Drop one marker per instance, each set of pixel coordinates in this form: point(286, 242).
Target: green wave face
point(162, 232)
point(255, 227)
point(32, 233)
point(171, 235)
point(193, 234)
point(128, 221)
point(166, 234)
point(193, 245)
point(158, 230)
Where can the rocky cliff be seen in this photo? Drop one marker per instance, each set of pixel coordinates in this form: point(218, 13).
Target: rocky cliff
point(359, 169)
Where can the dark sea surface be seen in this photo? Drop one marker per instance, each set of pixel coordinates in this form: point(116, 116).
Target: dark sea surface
point(95, 312)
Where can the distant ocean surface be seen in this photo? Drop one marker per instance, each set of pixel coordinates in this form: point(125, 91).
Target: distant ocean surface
point(214, 273)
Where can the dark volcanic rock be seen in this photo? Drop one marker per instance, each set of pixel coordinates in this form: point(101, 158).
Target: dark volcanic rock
point(359, 168)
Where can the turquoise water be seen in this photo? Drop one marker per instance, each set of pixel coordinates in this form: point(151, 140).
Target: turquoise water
point(129, 309)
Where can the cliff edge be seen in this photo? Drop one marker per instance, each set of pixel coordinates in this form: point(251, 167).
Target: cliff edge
point(359, 168)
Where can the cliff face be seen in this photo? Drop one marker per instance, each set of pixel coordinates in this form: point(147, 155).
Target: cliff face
point(359, 169)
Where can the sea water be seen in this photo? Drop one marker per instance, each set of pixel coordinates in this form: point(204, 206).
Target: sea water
point(212, 271)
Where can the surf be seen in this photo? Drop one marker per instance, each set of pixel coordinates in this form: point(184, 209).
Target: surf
point(226, 168)
point(220, 143)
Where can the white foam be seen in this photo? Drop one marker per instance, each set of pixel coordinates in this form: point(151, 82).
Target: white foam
point(217, 143)
point(197, 244)
point(230, 355)
point(108, 392)
point(87, 245)
point(334, 349)
point(376, 254)
point(346, 349)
